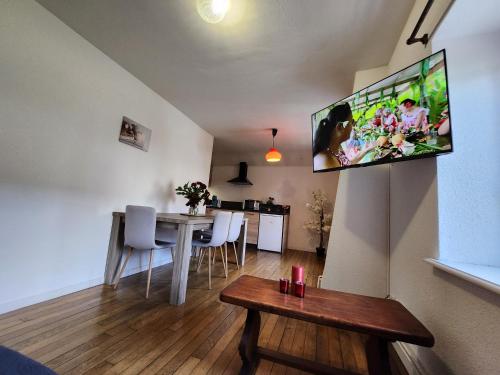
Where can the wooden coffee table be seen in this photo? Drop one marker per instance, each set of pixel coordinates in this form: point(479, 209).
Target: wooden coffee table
point(383, 320)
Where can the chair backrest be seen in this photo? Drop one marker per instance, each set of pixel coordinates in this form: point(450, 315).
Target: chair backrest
point(140, 227)
point(235, 226)
point(220, 229)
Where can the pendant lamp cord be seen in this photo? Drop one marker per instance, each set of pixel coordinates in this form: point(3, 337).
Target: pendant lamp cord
point(274, 132)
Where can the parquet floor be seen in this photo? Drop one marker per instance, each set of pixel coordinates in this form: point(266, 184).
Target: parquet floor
point(102, 331)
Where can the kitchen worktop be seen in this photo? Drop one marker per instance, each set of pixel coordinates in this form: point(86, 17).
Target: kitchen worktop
point(245, 210)
point(232, 209)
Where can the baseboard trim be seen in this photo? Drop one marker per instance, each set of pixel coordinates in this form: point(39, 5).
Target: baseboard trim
point(411, 364)
point(305, 250)
point(42, 297)
point(51, 294)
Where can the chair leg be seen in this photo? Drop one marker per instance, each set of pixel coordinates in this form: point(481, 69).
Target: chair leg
point(221, 258)
point(149, 272)
point(236, 256)
point(215, 252)
point(198, 261)
point(197, 255)
point(225, 258)
point(209, 268)
point(172, 253)
point(193, 256)
point(118, 277)
point(223, 261)
point(200, 258)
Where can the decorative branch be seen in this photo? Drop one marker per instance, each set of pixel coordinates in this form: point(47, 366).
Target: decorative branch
point(321, 218)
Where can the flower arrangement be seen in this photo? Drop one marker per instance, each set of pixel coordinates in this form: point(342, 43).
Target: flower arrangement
point(321, 218)
point(195, 192)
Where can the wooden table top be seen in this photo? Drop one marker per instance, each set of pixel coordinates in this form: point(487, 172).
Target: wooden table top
point(177, 218)
point(379, 317)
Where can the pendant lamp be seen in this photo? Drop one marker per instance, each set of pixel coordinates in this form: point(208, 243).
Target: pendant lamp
point(212, 11)
point(273, 155)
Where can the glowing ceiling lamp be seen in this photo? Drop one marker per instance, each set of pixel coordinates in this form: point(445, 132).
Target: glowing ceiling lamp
point(273, 155)
point(212, 11)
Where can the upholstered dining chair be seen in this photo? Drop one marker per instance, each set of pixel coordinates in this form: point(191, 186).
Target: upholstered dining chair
point(234, 233)
point(220, 232)
point(140, 232)
point(169, 235)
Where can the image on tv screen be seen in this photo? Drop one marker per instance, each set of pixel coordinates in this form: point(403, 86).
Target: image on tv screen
point(404, 116)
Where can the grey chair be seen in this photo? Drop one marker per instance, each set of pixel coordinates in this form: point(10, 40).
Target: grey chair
point(140, 232)
point(234, 233)
point(167, 235)
point(220, 231)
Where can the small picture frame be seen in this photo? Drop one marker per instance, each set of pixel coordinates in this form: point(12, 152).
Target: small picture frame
point(134, 134)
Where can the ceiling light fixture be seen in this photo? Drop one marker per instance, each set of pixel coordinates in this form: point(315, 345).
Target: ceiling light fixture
point(273, 155)
point(212, 11)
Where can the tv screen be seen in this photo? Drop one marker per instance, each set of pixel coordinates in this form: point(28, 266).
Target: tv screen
point(404, 116)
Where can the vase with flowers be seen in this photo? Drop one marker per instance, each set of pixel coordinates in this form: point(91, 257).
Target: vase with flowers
point(195, 193)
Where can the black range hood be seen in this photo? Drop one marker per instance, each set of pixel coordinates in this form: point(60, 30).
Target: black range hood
point(242, 176)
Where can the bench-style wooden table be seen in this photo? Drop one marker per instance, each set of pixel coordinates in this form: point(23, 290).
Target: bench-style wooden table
point(383, 320)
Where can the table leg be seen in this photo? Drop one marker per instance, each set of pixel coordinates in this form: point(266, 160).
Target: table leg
point(181, 264)
point(115, 249)
point(242, 243)
point(248, 343)
point(377, 356)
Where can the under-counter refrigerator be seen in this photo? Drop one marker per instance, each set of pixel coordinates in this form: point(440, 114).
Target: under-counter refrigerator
point(272, 232)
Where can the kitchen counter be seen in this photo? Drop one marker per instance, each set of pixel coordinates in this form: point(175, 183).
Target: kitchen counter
point(232, 209)
point(244, 210)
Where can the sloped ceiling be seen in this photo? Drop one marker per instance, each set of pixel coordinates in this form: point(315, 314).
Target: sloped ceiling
point(270, 63)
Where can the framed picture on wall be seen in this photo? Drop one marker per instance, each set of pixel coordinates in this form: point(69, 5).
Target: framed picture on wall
point(135, 134)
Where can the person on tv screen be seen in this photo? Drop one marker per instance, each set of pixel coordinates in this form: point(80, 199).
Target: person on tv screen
point(389, 120)
point(443, 126)
point(331, 133)
point(412, 116)
point(377, 119)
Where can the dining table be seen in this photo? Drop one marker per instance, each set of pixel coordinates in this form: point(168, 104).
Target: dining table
point(185, 225)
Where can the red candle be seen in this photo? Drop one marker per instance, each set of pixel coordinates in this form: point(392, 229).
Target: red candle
point(284, 284)
point(299, 289)
point(297, 273)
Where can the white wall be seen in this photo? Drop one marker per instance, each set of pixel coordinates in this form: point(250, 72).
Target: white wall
point(464, 185)
point(288, 185)
point(463, 189)
point(357, 247)
point(357, 250)
point(62, 169)
point(474, 105)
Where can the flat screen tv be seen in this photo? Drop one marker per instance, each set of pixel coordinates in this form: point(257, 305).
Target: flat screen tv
point(402, 117)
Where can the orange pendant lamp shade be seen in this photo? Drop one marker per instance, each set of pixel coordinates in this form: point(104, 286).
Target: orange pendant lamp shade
point(273, 155)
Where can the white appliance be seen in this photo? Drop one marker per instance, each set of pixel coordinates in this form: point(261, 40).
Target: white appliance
point(270, 232)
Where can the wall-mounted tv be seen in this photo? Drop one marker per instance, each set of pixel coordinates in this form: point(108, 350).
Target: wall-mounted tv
point(404, 116)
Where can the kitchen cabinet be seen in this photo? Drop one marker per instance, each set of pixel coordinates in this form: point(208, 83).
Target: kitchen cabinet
point(253, 226)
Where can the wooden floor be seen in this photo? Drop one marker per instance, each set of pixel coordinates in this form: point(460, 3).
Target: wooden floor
point(99, 330)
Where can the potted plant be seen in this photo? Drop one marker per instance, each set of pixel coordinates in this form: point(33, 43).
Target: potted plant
point(321, 218)
point(195, 193)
